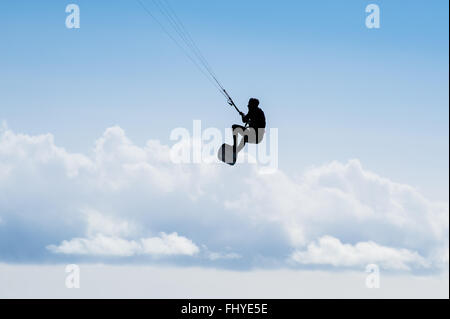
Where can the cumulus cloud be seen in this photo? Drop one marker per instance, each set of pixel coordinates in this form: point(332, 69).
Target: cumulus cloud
point(107, 225)
point(112, 201)
point(347, 202)
point(101, 245)
point(41, 149)
point(107, 236)
point(330, 251)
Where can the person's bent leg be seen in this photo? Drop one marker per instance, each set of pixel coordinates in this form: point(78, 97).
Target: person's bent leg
point(237, 129)
point(248, 136)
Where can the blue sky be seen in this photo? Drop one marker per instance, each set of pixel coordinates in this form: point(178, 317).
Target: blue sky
point(362, 116)
point(335, 89)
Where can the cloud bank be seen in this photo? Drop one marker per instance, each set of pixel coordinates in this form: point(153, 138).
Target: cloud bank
point(131, 202)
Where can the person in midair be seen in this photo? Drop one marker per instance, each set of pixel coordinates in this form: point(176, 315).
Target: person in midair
point(255, 128)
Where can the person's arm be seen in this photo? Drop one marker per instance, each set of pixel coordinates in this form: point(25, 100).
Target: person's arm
point(246, 118)
point(243, 116)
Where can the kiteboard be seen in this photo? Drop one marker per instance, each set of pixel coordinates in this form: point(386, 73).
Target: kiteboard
point(226, 154)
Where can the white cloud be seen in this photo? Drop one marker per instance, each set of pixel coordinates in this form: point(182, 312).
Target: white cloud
point(101, 245)
point(330, 251)
point(345, 201)
point(104, 239)
point(107, 225)
point(169, 244)
point(31, 150)
point(262, 217)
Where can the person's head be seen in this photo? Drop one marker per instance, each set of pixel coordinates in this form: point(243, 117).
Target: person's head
point(253, 103)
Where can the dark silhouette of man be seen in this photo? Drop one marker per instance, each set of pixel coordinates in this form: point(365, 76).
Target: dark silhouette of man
point(255, 128)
